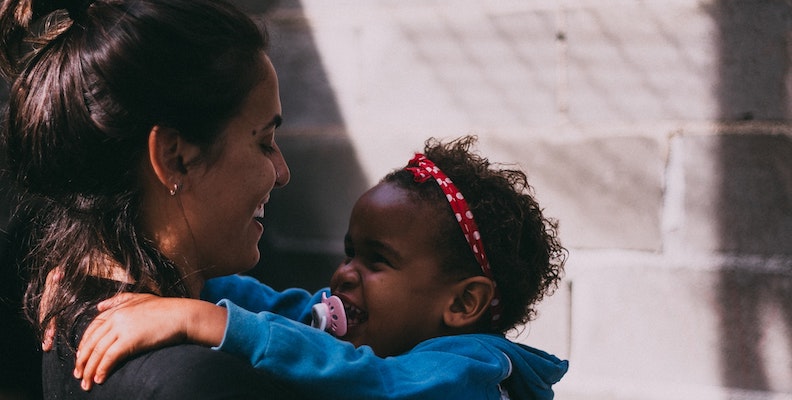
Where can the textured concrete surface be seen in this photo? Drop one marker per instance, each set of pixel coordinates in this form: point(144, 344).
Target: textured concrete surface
point(656, 131)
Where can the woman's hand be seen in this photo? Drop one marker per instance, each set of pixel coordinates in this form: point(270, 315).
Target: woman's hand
point(131, 323)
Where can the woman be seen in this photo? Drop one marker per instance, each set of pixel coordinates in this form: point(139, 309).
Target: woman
point(145, 132)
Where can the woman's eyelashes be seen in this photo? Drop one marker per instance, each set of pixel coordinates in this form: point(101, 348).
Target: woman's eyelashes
point(268, 145)
point(267, 148)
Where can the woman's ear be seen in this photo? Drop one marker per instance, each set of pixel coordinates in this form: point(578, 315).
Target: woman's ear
point(471, 301)
point(169, 154)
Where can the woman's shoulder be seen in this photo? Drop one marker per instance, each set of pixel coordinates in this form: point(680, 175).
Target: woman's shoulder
point(184, 371)
point(194, 372)
point(175, 372)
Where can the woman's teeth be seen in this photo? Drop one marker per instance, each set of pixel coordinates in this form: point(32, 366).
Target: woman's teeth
point(259, 211)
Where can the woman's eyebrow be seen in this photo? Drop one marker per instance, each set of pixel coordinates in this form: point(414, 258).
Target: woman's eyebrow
point(276, 121)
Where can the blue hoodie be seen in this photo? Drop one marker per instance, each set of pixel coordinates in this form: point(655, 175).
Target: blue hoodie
point(269, 328)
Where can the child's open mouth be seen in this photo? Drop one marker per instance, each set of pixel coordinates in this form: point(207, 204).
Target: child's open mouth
point(355, 316)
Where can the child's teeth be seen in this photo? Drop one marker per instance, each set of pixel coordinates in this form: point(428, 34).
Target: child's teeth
point(355, 315)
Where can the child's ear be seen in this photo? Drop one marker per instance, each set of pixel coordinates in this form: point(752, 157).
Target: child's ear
point(169, 154)
point(471, 301)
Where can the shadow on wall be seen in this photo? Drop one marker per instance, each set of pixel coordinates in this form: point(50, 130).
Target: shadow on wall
point(306, 221)
point(755, 202)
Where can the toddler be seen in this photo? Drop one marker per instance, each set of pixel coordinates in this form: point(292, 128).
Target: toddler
point(430, 283)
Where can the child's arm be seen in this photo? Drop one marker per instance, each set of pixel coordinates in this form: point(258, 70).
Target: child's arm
point(133, 323)
point(317, 365)
point(307, 359)
point(252, 295)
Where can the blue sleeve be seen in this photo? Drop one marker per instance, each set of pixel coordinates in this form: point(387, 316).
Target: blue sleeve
point(317, 365)
point(252, 295)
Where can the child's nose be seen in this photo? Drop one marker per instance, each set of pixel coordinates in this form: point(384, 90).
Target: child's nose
point(345, 278)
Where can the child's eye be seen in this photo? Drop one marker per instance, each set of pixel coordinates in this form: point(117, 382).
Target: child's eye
point(349, 254)
point(377, 262)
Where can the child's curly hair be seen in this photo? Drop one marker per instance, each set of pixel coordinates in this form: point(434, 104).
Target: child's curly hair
point(522, 245)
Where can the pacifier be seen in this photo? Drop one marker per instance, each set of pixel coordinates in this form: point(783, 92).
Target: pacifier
point(329, 316)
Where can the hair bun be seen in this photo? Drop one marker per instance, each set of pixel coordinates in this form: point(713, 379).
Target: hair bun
point(78, 9)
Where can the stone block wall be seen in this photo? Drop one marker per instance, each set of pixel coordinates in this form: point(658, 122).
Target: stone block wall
point(657, 132)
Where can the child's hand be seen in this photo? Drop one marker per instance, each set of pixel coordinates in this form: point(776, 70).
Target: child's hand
point(132, 323)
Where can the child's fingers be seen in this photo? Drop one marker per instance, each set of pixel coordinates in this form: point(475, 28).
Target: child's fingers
point(95, 332)
point(116, 300)
point(93, 359)
point(116, 352)
point(86, 385)
point(98, 331)
point(53, 279)
point(98, 328)
point(49, 337)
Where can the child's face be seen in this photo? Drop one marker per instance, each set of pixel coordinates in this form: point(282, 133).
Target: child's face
point(391, 277)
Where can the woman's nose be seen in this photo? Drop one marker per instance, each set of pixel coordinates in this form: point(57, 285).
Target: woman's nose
point(282, 172)
point(282, 175)
point(345, 278)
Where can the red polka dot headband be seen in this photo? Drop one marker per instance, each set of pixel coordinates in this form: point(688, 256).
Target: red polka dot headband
point(423, 169)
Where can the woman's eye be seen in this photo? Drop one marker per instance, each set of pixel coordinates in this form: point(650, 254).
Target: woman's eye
point(266, 148)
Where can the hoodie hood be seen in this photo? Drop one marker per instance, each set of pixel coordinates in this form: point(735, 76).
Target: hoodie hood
point(534, 371)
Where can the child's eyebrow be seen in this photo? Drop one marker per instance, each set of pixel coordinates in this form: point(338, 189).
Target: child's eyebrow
point(384, 248)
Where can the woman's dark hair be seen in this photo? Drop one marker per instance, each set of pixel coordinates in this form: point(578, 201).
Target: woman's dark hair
point(89, 80)
point(522, 245)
